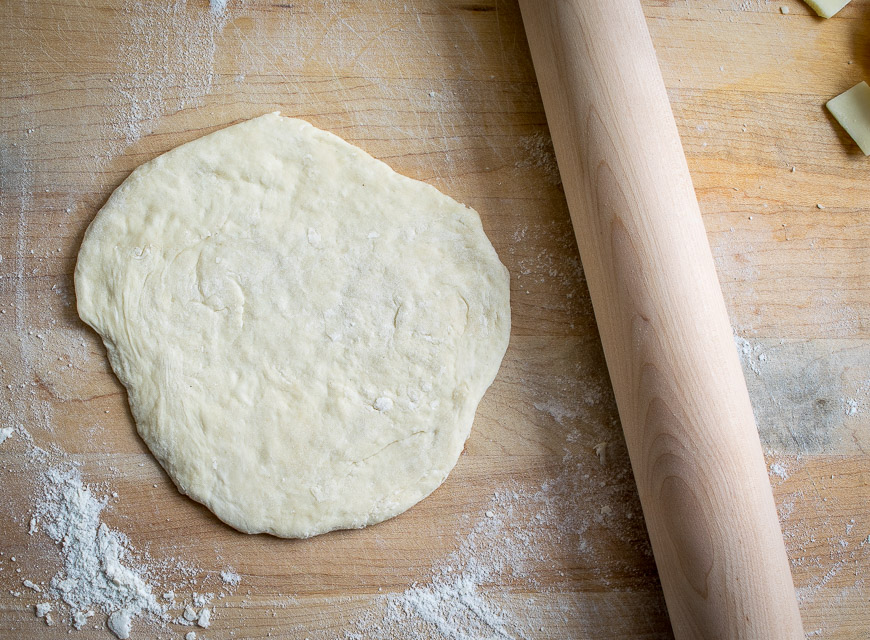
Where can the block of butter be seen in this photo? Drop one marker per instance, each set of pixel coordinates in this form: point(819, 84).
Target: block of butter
point(827, 8)
point(852, 110)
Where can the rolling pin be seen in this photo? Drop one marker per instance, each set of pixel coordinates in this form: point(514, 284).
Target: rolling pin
point(670, 352)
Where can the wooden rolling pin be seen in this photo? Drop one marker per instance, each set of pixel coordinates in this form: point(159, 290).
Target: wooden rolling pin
point(670, 352)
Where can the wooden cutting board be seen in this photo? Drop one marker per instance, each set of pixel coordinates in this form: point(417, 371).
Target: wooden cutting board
point(539, 523)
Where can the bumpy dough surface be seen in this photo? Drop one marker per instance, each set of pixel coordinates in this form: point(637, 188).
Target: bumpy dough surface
point(303, 333)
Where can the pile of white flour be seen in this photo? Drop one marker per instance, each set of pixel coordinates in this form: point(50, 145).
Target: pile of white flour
point(94, 574)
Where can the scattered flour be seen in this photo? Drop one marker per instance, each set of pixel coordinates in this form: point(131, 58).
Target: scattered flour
point(230, 577)
point(777, 469)
point(454, 602)
point(854, 405)
point(455, 608)
point(5, 432)
point(80, 618)
point(557, 410)
point(513, 541)
point(166, 62)
point(540, 155)
point(43, 611)
point(94, 574)
point(120, 623)
point(32, 586)
point(202, 599)
point(204, 618)
point(751, 356)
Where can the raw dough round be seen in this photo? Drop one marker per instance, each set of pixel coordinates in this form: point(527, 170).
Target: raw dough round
point(303, 333)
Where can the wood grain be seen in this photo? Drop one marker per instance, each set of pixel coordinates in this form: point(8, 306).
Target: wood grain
point(679, 387)
point(105, 85)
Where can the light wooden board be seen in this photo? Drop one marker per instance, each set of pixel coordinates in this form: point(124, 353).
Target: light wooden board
point(445, 92)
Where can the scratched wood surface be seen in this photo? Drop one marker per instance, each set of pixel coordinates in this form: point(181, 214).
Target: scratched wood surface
point(445, 92)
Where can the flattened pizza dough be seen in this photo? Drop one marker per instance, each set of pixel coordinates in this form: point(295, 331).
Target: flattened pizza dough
point(303, 333)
